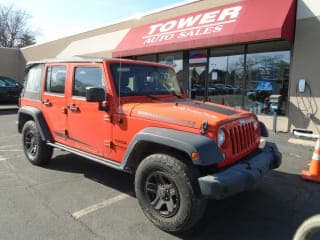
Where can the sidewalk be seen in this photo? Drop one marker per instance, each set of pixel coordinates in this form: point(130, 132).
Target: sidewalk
point(296, 153)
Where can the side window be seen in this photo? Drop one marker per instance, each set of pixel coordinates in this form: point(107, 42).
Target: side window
point(86, 77)
point(32, 88)
point(55, 80)
point(2, 83)
point(7, 82)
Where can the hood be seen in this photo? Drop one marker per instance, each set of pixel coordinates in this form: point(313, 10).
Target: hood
point(186, 112)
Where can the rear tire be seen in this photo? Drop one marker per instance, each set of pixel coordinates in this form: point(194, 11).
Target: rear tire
point(168, 192)
point(35, 149)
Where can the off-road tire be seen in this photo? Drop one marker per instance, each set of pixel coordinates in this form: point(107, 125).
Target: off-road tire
point(190, 205)
point(308, 228)
point(35, 149)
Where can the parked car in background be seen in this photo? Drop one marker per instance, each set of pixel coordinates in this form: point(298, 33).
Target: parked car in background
point(9, 90)
point(198, 90)
point(223, 88)
point(234, 89)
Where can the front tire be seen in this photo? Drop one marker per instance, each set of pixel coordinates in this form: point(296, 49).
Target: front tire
point(36, 150)
point(168, 192)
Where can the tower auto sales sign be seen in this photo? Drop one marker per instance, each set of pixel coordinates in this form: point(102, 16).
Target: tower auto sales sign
point(197, 24)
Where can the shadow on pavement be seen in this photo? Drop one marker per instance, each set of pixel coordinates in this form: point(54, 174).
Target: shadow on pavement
point(273, 211)
point(118, 180)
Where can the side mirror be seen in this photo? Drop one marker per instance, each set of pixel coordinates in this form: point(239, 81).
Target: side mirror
point(95, 94)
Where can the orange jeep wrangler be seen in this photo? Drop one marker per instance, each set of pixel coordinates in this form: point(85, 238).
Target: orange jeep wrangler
point(134, 116)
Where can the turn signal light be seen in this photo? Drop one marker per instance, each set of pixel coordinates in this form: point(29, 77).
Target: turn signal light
point(195, 156)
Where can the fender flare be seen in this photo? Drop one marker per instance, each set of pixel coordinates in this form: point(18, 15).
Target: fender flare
point(208, 150)
point(38, 117)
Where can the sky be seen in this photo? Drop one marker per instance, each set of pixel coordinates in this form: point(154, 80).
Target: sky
point(51, 20)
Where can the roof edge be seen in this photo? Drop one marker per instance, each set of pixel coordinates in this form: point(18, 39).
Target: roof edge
point(71, 59)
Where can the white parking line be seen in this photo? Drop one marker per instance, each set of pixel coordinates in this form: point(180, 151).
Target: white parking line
point(95, 207)
point(8, 146)
point(14, 135)
point(10, 150)
point(2, 159)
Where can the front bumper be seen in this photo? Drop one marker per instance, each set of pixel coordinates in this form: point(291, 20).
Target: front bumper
point(242, 176)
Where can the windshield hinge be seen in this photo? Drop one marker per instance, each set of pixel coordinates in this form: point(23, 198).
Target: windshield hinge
point(204, 127)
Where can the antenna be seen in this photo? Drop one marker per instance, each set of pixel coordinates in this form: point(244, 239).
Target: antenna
point(119, 82)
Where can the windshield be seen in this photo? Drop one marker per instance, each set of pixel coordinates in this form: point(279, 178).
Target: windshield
point(138, 80)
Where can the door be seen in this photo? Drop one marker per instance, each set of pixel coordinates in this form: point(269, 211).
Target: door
point(54, 101)
point(88, 128)
point(226, 76)
point(197, 82)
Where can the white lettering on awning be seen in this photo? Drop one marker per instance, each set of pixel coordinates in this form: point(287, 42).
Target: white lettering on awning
point(200, 24)
point(209, 17)
point(229, 12)
point(188, 22)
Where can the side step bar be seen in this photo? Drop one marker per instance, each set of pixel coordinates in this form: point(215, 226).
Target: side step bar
point(89, 156)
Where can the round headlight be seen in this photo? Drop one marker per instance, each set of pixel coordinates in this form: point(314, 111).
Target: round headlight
point(221, 137)
point(255, 125)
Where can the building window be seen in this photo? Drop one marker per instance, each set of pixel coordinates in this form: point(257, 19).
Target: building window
point(264, 87)
point(147, 58)
point(175, 60)
point(267, 83)
point(197, 82)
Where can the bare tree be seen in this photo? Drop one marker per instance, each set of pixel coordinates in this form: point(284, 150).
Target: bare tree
point(26, 39)
point(14, 31)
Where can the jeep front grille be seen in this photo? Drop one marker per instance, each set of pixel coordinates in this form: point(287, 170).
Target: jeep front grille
point(242, 137)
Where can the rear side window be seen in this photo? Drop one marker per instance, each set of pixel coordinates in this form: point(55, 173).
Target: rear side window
point(2, 83)
point(32, 88)
point(7, 82)
point(86, 77)
point(55, 80)
point(10, 83)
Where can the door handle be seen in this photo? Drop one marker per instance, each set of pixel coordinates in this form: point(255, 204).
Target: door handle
point(73, 107)
point(46, 102)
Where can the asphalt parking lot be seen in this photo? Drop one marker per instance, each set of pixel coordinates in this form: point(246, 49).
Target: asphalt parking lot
point(73, 198)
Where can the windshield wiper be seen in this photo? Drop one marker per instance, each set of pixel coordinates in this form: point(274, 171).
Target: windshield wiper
point(175, 94)
point(151, 96)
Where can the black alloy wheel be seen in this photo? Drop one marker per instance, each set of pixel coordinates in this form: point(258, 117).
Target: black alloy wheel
point(168, 192)
point(162, 194)
point(30, 144)
point(35, 149)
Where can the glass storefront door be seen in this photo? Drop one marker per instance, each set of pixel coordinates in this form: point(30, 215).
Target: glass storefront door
point(197, 81)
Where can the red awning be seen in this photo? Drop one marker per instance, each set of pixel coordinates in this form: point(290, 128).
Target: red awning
point(245, 21)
